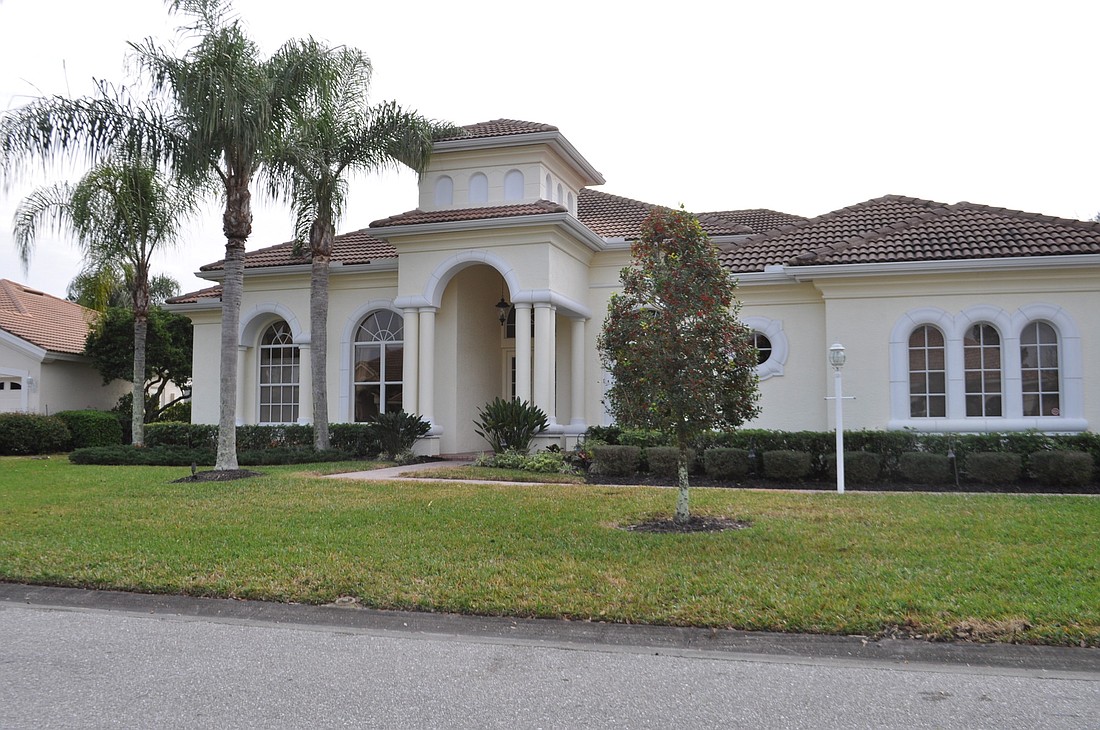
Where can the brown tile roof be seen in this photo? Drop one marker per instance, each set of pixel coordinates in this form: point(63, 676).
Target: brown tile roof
point(356, 247)
point(962, 231)
point(756, 220)
point(53, 324)
point(501, 128)
point(414, 217)
point(781, 246)
point(211, 293)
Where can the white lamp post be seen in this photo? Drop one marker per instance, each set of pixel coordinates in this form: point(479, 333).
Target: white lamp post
point(837, 359)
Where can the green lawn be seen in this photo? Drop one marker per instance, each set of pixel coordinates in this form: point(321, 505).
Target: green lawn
point(1016, 567)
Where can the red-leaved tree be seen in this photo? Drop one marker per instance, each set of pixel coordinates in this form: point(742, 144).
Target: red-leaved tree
point(681, 360)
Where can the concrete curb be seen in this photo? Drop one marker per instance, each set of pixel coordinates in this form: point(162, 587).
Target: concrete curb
point(1023, 660)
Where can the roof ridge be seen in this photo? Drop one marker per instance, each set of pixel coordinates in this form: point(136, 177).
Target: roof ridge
point(1026, 215)
point(621, 198)
point(10, 289)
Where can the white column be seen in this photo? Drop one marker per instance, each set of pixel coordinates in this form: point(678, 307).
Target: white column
point(576, 377)
point(242, 378)
point(552, 401)
point(523, 352)
point(410, 363)
point(305, 385)
point(544, 349)
point(427, 365)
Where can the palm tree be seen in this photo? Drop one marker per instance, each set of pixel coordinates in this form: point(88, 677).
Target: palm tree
point(216, 111)
point(334, 135)
point(112, 286)
point(119, 213)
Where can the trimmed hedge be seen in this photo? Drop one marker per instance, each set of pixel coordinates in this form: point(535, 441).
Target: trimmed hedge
point(860, 467)
point(921, 467)
point(616, 461)
point(25, 434)
point(183, 456)
point(1062, 468)
point(664, 460)
point(786, 464)
point(358, 439)
point(725, 463)
point(994, 467)
point(92, 428)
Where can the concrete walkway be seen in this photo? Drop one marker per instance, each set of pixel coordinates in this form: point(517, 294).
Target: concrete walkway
point(401, 473)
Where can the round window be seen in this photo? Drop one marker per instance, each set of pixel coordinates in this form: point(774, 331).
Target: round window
point(763, 347)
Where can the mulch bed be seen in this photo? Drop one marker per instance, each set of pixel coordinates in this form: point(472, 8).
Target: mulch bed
point(218, 475)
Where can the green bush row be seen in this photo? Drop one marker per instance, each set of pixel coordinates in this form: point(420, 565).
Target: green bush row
point(889, 445)
point(201, 457)
point(25, 434)
point(358, 439)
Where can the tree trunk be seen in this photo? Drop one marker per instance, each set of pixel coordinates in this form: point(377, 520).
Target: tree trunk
point(321, 237)
point(682, 512)
point(237, 225)
point(141, 330)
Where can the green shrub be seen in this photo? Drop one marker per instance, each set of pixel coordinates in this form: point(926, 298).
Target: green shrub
point(178, 412)
point(993, 467)
point(787, 465)
point(187, 435)
point(92, 428)
point(664, 460)
point(921, 467)
point(1061, 468)
point(644, 438)
point(616, 461)
point(510, 424)
point(359, 439)
point(397, 432)
point(30, 433)
point(725, 463)
point(121, 455)
point(288, 436)
point(860, 467)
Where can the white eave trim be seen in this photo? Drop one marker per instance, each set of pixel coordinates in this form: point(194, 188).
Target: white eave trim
point(555, 139)
point(578, 229)
point(335, 268)
point(953, 266)
point(25, 346)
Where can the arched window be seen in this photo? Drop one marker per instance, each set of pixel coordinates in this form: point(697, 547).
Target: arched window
point(479, 188)
point(927, 373)
point(549, 187)
point(560, 197)
point(444, 192)
point(571, 206)
point(982, 371)
point(513, 185)
point(279, 367)
point(1039, 370)
point(377, 364)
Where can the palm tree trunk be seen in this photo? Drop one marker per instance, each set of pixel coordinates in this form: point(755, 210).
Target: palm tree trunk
point(321, 235)
point(683, 513)
point(141, 330)
point(237, 225)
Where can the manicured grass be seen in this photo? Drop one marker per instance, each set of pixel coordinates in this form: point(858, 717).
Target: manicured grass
point(493, 474)
point(1023, 568)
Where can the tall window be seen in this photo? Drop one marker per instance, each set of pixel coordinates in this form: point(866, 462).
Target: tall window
point(444, 191)
point(279, 364)
point(377, 365)
point(479, 188)
point(982, 373)
point(513, 185)
point(1039, 370)
point(927, 373)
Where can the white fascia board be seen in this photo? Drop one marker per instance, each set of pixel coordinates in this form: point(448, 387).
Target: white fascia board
point(954, 266)
point(65, 357)
point(555, 139)
point(27, 348)
point(335, 267)
point(206, 305)
point(579, 230)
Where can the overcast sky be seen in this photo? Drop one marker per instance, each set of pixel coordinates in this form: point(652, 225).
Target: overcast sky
point(802, 107)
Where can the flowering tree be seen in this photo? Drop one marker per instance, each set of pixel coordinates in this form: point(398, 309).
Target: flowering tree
point(682, 362)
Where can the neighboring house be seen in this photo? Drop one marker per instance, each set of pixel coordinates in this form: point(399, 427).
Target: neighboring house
point(955, 317)
point(42, 366)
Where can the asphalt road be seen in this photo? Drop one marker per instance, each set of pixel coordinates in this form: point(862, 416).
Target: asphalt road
point(71, 658)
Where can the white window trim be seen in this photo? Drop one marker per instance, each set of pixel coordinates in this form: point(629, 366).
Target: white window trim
point(773, 330)
point(1071, 370)
point(260, 348)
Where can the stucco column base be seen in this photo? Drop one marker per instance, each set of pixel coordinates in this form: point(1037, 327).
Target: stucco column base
point(427, 446)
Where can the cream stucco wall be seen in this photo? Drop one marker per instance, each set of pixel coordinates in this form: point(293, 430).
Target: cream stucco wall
point(76, 385)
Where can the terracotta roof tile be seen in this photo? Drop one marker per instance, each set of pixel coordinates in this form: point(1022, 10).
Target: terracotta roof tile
point(501, 128)
point(210, 293)
point(963, 231)
point(782, 245)
point(414, 217)
point(756, 220)
point(53, 324)
point(356, 247)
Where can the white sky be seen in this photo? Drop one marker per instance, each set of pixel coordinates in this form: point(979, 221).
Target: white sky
point(800, 106)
